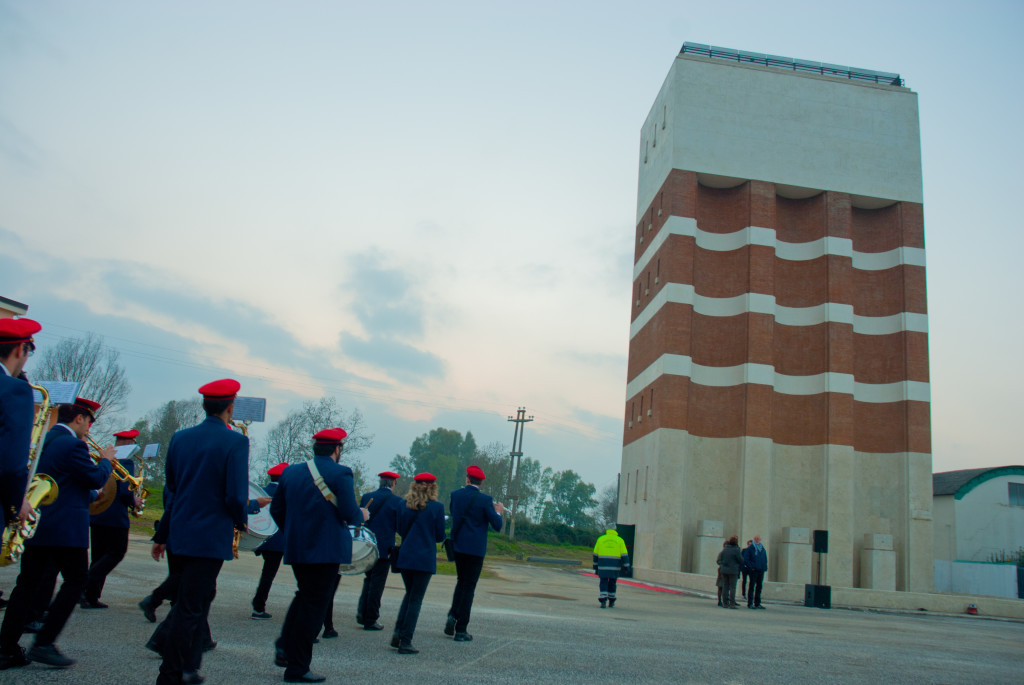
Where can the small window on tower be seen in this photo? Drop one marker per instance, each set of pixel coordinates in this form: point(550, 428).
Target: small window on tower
point(1016, 494)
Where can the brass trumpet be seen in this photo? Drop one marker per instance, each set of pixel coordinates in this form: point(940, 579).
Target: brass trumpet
point(119, 472)
point(42, 490)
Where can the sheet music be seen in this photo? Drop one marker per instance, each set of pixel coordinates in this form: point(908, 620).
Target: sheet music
point(125, 451)
point(250, 409)
point(151, 450)
point(61, 392)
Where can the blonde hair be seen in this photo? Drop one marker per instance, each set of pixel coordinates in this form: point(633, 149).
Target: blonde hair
point(419, 494)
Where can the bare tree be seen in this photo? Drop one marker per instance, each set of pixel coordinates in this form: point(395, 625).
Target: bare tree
point(96, 366)
point(291, 440)
point(608, 506)
point(159, 425)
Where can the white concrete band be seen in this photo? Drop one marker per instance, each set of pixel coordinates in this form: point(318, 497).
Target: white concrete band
point(764, 374)
point(757, 303)
point(766, 237)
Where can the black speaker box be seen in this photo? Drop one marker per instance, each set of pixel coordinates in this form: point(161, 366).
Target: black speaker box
point(820, 544)
point(819, 596)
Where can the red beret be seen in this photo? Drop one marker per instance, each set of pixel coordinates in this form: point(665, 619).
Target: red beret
point(388, 474)
point(277, 470)
point(425, 478)
point(329, 435)
point(89, 405)
point(475, 472)
point(17, 330)
point(224, 389)
point(127, 435)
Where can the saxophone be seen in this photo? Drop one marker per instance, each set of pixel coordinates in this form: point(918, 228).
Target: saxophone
point(42, 490)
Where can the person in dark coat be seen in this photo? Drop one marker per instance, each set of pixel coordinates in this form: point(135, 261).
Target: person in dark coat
point(385, 507)
point(313, 506)
point(755, 559)
point(730, 561)
point(272, 551)
point(206, 488)
point(62, 536)
point(16, 416)
point(421, 526)
point(108, 530)
point(472, 511)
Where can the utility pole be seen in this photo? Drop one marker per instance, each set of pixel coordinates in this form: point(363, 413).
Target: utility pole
point(515, 456)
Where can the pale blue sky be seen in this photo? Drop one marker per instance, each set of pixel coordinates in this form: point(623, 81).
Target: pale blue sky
point(428, 210)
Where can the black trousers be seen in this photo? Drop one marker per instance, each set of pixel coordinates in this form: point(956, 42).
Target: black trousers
point(109, 545)
point(468, 568)
point(754, 591)
point(306, 615)
point(373, 589)
point(607, 587)
point(416, 583)
point(168, 590)
point(73, 564)
point(183, 650)
point(744, 575)
point(329, 612)
point(271, 563)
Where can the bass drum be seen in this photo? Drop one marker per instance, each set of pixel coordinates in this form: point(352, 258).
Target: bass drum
point(260, 526)
point(364, 552)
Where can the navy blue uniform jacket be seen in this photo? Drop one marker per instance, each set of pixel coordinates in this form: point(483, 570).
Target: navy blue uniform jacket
point(116, 515)
point(206, 487)
point(16, 414)
point(65, 458)
point(316, 531)
point(275, 543)
point(419, 546)
point(472, 537)
point(385, 521)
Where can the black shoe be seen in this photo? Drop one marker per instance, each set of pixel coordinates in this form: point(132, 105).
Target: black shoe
point(307, 677)
point(611, 602)
point(280, 658)
point(395, 641)
point(92, 604)
point(260, 616)
point(212, 644)
point(449, 626)
point(329, 633)
point(359, 619)
point(373, 626)
point(463, 637)
point(603, 602)
point(15, 659)
point(759, 607)
point(406, 648)
point(34, 626)
point(191, 678)
point(148, 609)
point(49, 655)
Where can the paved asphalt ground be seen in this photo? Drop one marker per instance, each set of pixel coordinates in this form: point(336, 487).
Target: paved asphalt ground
point(533, 624)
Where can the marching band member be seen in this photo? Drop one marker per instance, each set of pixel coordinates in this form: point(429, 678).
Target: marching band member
point(314, 504)
point(472, 511)
point(272, 551)
point(109, 530)
point(62, 536)
point(206, 487)
point(385, 508)
point(16, 418)
point(16, 415)
point(421, 526)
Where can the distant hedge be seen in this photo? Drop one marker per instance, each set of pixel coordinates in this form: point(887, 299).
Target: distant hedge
point(555, 534)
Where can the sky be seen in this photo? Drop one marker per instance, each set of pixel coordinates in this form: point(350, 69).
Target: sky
point(427, 210)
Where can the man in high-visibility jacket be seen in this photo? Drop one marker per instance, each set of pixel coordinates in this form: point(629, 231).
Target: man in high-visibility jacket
point(610, 557)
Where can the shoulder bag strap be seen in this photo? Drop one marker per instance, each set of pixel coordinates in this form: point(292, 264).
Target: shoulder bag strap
point(456, 529)
point(320, 483)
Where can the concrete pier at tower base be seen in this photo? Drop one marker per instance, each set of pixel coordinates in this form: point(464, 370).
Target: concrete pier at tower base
point(846, 597)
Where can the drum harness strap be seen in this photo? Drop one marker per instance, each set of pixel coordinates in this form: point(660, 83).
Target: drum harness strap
point(380, 505)
point(320, 483)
